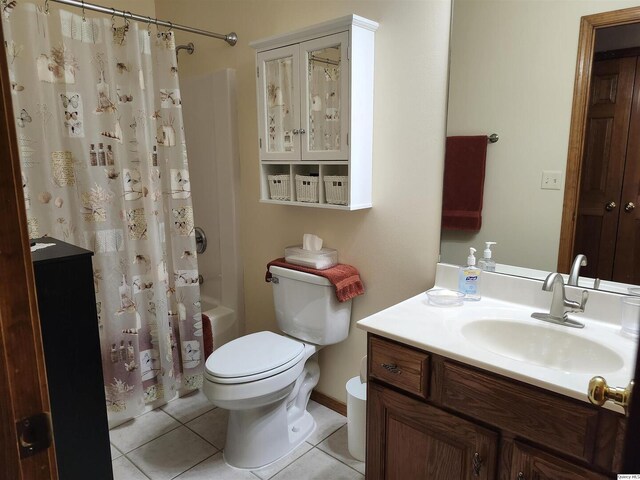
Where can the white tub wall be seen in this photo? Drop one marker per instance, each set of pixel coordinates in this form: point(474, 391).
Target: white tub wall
point(211, 132)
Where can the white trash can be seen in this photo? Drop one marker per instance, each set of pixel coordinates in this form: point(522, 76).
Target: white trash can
point(356, 417)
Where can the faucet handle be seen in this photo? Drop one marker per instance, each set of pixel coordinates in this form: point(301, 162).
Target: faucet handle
point(577, 307)
point(583, 300)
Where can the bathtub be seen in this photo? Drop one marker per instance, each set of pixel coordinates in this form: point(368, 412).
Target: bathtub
point(224, 326)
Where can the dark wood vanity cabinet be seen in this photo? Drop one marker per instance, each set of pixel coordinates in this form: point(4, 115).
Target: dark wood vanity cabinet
point(414, 433)
point(435, 419)
point(71, 343)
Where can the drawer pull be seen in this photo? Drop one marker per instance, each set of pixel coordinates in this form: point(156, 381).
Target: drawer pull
point(477, 464)
point(391, 367)
point(521, 476)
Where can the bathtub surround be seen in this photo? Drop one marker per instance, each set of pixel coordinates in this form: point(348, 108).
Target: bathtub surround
point(211, 128)
point(399, 236)
point(87, 82)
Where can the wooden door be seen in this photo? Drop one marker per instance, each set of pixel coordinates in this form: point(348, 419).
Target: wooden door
point(409, 439)
point(528, 463)
point(603, 164)
point(626, 266)
point(23, 383)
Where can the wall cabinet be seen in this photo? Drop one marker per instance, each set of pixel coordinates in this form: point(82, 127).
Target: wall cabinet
point(433, 418)
point(315, 114)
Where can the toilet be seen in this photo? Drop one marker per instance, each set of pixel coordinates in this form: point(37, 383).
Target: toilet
point(264, 379)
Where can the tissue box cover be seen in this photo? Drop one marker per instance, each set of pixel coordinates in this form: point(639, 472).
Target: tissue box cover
point(320, 259)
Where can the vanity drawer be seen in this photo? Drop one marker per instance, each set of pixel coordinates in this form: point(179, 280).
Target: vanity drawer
point(400, 366)
point(562, 424)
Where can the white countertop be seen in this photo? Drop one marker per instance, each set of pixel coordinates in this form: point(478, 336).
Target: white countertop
point(439, 330)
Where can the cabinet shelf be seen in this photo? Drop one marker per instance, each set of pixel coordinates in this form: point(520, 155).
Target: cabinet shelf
point(315, 114)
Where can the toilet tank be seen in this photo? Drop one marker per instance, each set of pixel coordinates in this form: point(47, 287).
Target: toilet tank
point(307, 308)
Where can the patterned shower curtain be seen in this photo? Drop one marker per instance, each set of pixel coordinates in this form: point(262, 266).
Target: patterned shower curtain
point(104, 164)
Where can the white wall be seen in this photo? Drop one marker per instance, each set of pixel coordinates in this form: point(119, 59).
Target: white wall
point(512, 73)
point(395, 244)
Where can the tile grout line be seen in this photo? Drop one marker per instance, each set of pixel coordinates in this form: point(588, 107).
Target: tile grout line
point(181, 425)
point(333, 456)
point(190, 420)
point(136, 466)
point(154, 438)
point(290, 463)
point(197, 434)
point(198, 463)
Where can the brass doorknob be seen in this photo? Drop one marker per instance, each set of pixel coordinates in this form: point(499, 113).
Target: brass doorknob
point(629, 207)
point(610, 206)
point(600, 392)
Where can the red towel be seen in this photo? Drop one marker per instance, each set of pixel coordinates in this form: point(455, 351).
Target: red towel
point(207, 336)
point(464, 167)
point(344, 277)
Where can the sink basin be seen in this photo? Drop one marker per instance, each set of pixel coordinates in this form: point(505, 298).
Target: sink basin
point(542, 345)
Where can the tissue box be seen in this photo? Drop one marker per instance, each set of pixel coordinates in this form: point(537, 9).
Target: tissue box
point(320, 259)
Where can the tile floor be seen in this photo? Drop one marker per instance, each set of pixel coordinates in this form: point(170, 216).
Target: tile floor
point(184, 440)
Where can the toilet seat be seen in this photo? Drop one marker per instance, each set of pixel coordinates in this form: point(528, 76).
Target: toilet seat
point(253, 357)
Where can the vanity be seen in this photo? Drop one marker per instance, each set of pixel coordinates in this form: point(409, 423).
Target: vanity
point(484, 391)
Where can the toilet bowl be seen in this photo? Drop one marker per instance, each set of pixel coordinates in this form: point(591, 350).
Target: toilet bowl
point(266, 395)
point(265, 379)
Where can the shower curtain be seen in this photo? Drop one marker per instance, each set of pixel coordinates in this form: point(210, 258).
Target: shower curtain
point(104, 164)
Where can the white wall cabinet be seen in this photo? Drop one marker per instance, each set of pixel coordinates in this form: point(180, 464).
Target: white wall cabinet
point(315, 114)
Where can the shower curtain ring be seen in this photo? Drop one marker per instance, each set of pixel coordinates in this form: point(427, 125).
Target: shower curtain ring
point(84, 18)
point(126, 21)
point(113, 18)
point(149, 26)
point(46, 7)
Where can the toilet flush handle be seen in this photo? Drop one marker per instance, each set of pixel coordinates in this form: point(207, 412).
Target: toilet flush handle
point(275, 280)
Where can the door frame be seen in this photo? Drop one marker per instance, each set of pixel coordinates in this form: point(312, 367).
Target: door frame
point(23, 380)
point(577, 135)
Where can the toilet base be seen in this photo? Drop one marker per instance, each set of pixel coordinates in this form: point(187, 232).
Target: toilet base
point(259, 437)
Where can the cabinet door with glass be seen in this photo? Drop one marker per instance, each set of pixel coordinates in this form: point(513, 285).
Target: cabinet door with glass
point(324, 78)
point(279, 103)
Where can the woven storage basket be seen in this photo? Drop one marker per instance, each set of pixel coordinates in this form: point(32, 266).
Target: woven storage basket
point(336, 189)
point(307, 188)
point(279, 187)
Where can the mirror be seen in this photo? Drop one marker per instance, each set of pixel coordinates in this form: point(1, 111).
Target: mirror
point(512, 73)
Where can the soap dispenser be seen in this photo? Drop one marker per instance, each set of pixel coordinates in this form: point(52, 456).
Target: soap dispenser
point(469, 278)
point(486, 263)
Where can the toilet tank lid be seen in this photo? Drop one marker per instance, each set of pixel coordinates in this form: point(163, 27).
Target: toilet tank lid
point(300, 276)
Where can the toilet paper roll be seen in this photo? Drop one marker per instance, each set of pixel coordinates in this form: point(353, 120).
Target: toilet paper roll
point(311, 242)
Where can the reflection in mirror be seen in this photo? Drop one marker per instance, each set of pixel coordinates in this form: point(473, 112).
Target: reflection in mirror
point(512, 72)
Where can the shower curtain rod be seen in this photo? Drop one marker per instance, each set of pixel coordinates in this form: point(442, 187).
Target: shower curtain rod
point(230, 38)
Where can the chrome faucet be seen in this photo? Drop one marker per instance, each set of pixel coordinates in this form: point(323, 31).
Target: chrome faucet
point(560, 305)
point(574, 273)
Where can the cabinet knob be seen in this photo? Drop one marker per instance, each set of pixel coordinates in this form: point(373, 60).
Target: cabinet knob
point(302, 131)
point(520, 476)
point(608, 207)
point(477, 464)
point(599, 392)
point(296, 131)
point(629, 207)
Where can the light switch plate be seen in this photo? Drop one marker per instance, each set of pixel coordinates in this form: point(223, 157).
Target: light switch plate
point(551, 180)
